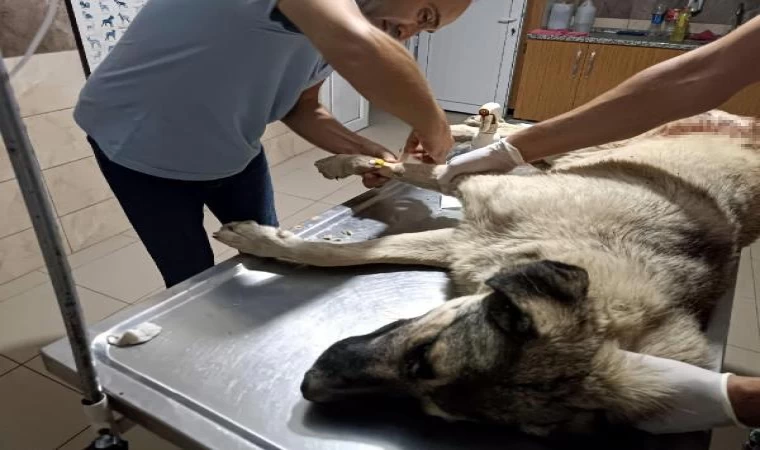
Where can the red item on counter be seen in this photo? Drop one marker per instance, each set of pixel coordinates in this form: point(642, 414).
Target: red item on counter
point(558, 33)
point(706, 35)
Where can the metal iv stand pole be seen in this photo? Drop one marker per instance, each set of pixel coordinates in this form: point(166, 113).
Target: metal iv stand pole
point(26, 168)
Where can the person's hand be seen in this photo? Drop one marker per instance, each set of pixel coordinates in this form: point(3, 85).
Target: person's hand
point(498, 157)
point(429, 149)
point(374, 179)
point(700, 398)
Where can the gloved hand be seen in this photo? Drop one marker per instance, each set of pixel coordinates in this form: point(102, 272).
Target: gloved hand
point(701, 400)
point(498, 157)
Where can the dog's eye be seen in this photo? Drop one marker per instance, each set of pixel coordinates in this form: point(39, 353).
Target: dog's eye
point(417, 364)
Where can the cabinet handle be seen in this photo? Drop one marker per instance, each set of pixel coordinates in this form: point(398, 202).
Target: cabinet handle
point(577, 63)
point(591, 61)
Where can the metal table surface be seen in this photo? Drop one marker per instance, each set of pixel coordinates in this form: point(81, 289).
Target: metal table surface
point(237, 339)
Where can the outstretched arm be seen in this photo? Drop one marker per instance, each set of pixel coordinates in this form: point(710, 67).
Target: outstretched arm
point(313, 122)
point(377, 66)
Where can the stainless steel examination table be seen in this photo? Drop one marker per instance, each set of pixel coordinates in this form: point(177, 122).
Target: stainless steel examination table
point(225, 372)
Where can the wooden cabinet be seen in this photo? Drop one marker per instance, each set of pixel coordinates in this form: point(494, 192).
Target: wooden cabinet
point(549, 79)
point(745, 103)
point(606, 66)
point(559, 76)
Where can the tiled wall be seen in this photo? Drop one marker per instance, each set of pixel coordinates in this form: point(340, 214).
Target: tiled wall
point(47, 90)
point(718, 13)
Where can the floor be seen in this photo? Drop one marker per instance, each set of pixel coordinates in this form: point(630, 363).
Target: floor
point(40, 412)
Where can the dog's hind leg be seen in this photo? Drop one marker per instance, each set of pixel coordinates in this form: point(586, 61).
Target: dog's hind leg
point(342, 166)
point(429, 248)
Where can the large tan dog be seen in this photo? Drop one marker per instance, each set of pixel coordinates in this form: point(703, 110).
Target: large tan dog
point(623, 247)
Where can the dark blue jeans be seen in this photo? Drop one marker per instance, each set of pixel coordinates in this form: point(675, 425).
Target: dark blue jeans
point(168, 214)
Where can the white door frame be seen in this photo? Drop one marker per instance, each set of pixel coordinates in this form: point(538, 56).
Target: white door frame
point(326, 99)
point(513, 23)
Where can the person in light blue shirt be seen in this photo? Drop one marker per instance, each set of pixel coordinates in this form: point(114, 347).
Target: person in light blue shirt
point(176, 111)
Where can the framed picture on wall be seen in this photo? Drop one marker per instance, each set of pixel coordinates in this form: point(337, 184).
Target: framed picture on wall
point(98, 25)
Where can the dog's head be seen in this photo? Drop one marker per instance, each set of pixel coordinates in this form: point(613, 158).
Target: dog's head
point(519, 355)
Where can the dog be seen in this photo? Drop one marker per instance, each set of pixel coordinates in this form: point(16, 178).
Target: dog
point(124, 19)
point(107, 21)
point(93, 42)
point(111, 35)
point(84, 5)
point(622, 247)
point(120, 3)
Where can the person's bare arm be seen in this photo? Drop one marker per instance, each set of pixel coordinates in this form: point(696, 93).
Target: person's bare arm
point(690, 84)
point(372, 62)
point(313, 122)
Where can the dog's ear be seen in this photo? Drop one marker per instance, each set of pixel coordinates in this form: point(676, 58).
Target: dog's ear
point(544, 279)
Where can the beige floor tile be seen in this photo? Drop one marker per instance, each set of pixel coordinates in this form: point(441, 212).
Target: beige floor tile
point(391, 133)
point(728, 438)
point(57, 139)
point(94, 224)
point(305, 214)
point(50, 82)
point(353, 189)
point(307, 183)
point(6, 170)
point(742, 362)
point(32, 320)
point(38, 366)
point(131, 233)
point(225, 255)
point(98, 251)
point(6, 365)
point(14, 217)
point(36, 412)
point(744, 331)
point(19, 255)
point(274, 129)
point(126, 274)
point(76, 185)
point(745, 281)
point(303, 161)
point(287, 204)
point(212, 225)
point(22, 284)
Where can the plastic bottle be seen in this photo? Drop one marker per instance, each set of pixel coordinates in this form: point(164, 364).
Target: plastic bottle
point(584, 17)
point(559, 19)
point(681, 26)
point(657, 25)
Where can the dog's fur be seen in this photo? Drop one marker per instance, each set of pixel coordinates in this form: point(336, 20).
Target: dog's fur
point(608, 250)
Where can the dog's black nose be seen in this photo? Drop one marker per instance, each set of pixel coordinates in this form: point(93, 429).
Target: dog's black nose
point(307, 385)
point(314, 388)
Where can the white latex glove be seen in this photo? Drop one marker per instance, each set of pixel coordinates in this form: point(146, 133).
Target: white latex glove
point(498, 157)
point(700, 402)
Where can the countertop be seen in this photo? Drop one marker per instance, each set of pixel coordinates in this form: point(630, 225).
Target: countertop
point(601, 37)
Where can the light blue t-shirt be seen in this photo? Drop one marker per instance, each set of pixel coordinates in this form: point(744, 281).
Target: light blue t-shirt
point(190, 87)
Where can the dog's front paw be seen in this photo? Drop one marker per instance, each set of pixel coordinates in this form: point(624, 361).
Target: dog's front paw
point(258, 240)
point(342, 166)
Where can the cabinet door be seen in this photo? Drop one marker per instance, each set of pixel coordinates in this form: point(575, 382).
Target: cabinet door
point(745, 103)
point(549, 79)
point(606, 66)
